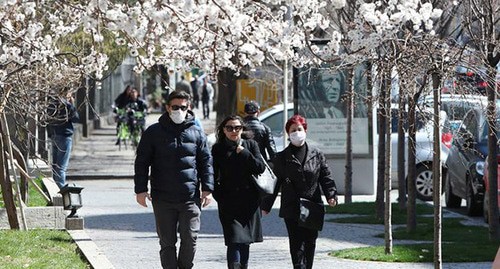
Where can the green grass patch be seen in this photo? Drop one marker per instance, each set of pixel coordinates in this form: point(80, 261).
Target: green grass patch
point(366, 213)
point(460, 243)
point(39, 249)
point(453, 231)
point(35, 198)
point(455, 252)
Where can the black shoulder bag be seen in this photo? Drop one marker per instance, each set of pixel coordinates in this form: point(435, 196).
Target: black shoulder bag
point(311, 214)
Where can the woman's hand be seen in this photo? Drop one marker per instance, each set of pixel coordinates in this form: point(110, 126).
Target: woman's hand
point(264, 212)
point(239, 148)
point(141, 198)
point(332, 202)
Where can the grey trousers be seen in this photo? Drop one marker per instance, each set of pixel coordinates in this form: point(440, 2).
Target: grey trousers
point(170, 219)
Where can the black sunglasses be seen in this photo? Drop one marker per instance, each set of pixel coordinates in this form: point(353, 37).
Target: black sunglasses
point(230, 128)
point(176, 107)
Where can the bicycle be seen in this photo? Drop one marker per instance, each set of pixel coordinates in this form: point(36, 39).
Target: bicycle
point(123, 132)
point(135, 124)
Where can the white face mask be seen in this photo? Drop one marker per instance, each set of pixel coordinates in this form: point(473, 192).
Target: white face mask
point(298, 138)
point(178, 116)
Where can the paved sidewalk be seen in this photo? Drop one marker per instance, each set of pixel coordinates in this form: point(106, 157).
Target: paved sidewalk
point(125, 232)
point(97, 157)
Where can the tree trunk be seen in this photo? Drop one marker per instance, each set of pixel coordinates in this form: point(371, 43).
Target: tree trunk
point(382, 118)
point(24, 180)
point(226, 99)
point(7, 195)
point(436, 172)
point(401, 149)
point(387, 177)
point(493, 225)
point(7, 143)
point(411, 217)
point(348, 155)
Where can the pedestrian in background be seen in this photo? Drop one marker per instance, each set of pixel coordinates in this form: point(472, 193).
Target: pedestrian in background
point(235, 161)
point(260, 132)
point(184, 86)
point(302, 172)
point(136, 104)
point(207, 92)
point(176, 151)
point(196, 95)
point(123, 98)
point(62, 114)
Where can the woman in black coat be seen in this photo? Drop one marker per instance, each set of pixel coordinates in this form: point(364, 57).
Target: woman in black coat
point(235, 161)
point(302, 172)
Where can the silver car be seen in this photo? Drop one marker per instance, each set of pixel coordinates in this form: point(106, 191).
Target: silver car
point(424, 150)
point(272, 117)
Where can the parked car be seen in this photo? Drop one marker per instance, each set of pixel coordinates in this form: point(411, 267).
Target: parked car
point(456, 105)
point(466, 163)
point(466, 81)
point(486, 201)
point(424, 150)
point(272, 117)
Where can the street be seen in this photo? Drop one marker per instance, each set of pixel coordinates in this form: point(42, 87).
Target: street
point(125, 231)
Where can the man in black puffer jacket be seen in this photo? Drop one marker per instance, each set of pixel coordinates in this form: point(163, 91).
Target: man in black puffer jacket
point(261, 133)
point(176, 151)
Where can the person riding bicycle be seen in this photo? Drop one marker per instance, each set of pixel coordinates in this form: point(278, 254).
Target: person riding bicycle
point(136, 109)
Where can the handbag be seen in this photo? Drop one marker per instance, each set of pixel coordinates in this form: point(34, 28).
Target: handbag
point(312, 214)
point(266, 181)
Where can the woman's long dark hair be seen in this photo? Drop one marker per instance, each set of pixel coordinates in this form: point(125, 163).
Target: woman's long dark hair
point(220, 129)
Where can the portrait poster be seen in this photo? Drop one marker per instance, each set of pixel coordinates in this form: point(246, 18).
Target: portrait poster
point(321, 98)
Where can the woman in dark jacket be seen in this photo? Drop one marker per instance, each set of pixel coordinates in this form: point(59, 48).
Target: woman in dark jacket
point(302, 172)
point(235, 161)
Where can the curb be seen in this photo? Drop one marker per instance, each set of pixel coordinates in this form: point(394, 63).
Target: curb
point(89, 249)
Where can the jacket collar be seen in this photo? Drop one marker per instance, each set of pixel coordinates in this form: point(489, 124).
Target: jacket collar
point(310, 152)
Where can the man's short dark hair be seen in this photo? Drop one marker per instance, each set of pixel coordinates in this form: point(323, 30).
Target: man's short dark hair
point(252, 107)
point(178, 95)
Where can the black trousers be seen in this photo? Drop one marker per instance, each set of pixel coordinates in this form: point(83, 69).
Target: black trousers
point(302, 243)
point(206, 109)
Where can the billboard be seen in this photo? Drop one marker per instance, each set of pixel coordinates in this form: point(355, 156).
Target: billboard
point(321, 99)
point(265, 92)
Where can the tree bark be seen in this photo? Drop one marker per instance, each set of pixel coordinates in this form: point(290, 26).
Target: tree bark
point(493, 226)
point(401, 149)
point(382, 118)
point(387, 177)
point(436, 172)
point(24, 180)
point(348, 155)
point(411, 217)
point(226, 99)
point(7, 195)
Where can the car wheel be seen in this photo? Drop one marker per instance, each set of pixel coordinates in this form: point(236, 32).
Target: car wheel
point(452, 201)
point(423, 183)
point(473, 207)
point(485, 207)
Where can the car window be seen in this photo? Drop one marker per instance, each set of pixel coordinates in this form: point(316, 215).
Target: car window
point(456, 110)
point(469, 125)
point(421, 119)
point(276, 123)
point(484, 134)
